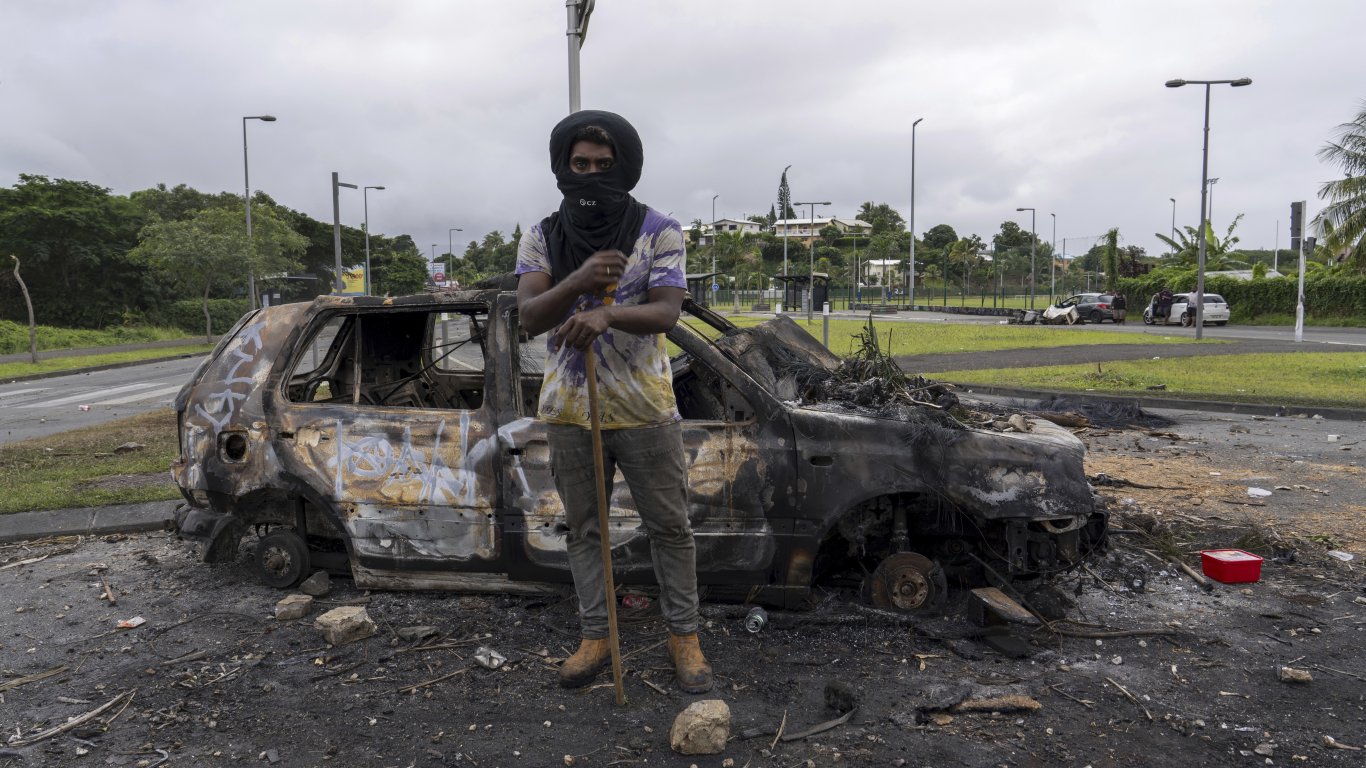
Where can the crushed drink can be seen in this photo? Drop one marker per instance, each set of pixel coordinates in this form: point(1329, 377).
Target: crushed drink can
point(756, 620)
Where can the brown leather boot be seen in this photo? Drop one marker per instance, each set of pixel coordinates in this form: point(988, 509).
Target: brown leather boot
point(580, 669)
point(690, 666)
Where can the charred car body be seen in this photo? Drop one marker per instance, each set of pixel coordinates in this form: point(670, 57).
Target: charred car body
point(396, 439)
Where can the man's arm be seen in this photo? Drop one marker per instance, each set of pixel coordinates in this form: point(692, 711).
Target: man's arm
point(659, 314)
point(541, 305)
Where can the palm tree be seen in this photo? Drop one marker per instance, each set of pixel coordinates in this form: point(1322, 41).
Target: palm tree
point(1342, 223)
point(1186, 246)
point(1110, 257)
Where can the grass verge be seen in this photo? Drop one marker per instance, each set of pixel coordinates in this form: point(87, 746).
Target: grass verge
point(58, 364)
point(912, 338)
point(14, 336)
point(1299, 378)
point(79, 468)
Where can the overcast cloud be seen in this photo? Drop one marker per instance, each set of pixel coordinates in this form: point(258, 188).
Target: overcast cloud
point(1055, 104)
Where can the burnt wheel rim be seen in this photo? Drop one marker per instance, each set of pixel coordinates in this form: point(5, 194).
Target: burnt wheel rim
point(277, 561)
point(907, 581)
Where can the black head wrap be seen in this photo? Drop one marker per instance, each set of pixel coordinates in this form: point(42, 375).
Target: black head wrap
point(598, 212)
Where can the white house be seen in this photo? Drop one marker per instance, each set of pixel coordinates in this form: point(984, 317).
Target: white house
point(805, 229)
point(743, 226)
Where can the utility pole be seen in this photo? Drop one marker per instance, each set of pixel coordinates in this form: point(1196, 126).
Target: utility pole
point(579, 11)
point(338, 284)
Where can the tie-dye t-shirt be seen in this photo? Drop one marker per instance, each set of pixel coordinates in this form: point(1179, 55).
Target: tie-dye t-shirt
point(635, 386)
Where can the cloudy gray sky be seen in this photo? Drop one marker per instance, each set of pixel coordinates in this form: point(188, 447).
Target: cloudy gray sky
point(1055, 104)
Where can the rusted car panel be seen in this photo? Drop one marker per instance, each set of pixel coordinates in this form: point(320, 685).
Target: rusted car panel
point(402, 432)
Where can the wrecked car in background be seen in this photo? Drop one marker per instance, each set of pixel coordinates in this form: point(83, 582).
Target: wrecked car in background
point(396, 439)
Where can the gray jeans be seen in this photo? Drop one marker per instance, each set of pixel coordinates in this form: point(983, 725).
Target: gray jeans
point(653, 463)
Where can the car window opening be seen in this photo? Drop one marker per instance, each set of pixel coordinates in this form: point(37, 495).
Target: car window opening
point(410, 359)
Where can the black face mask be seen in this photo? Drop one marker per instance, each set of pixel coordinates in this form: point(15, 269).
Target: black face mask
point(598, 212)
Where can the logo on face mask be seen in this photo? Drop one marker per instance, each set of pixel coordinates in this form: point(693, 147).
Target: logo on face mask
point(587, 202)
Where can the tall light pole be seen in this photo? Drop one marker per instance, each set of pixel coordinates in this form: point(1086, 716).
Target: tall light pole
point(246, 176)
point(1204, 190)
point(910, 271)
point(450, 250)
point(712, 289)
point(577, 33)
point(1173, 219)
point(338, 283)
point(1053, 262)
point(811, 263)
point(1032, 238)
point(365, 197)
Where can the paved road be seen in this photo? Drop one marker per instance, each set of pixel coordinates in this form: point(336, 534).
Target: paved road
point(47, 406)
point(1348, 336)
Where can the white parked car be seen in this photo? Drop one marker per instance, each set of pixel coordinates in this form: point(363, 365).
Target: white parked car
point(1183, 310)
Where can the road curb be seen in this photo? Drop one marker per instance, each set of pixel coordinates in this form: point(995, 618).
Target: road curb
point(94, 368)
point(88, 521)
point(1217, 406)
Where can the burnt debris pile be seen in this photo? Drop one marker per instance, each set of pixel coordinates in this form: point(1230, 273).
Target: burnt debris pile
point(798, 369)
point(870, 379)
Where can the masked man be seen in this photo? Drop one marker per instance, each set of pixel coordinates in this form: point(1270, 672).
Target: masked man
point(603, 244)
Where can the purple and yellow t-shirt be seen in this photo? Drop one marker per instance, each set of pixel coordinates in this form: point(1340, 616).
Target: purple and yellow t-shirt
point(635, 386)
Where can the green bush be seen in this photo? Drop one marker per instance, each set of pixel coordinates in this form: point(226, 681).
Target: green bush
point(188, 314)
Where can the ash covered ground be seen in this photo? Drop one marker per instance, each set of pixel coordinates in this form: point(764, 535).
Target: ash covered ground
point(212, 679)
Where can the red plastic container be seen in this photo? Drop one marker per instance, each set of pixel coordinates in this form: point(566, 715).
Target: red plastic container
point(1231, 566)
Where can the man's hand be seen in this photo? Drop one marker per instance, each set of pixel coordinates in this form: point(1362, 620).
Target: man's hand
point(602, 270)
point(582, 328)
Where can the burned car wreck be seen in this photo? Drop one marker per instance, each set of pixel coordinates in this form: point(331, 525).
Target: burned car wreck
point(396, 440)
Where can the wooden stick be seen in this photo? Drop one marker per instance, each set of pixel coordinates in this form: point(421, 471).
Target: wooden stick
point(18, 681)
point(604, 532)
point(74, 722)
point(1130, 697)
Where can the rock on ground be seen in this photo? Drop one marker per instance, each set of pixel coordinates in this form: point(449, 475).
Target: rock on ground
point(346, 624)
point(293, 607)
point(317, 585)
point(701, 729)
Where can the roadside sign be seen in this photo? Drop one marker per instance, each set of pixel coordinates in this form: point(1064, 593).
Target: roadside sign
point(715, 287)
point(439, 277)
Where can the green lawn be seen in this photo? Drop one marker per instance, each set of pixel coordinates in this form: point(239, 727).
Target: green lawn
point(80, 469)
point(1300, 378)
point(57, 364)
point(913, 338)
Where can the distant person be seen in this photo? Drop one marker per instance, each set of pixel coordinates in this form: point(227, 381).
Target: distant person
point(1164, 305)
point(1119, 308)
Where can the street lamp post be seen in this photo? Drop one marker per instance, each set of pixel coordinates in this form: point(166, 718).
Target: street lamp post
point(811, 262)
point(1032, 238)
point(712, 288)
point(246, 177)
point(365, 197)
point(1053, 262)
point(910, 271)
point(450, 250)
point(1173, 219)
point(338, 284)
point(1204, 190)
